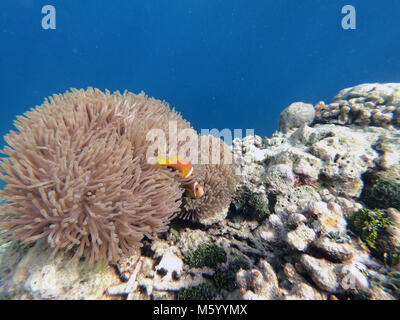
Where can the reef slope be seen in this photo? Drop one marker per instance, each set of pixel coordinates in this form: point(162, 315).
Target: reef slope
point(316, 216)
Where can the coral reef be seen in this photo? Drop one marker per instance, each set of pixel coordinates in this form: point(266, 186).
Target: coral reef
point(373, 104)
point(296, 115)
point(314, 217)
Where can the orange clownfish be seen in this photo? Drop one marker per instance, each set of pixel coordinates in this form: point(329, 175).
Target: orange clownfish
point(177, 163)
point(194, 190)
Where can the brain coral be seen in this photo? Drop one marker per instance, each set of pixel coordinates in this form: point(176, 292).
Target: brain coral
point(76, 173)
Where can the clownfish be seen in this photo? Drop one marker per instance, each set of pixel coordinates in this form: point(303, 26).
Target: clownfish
point(194, 190)
point(177, 163)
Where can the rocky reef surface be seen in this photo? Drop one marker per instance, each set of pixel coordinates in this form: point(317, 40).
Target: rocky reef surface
point(316, 216)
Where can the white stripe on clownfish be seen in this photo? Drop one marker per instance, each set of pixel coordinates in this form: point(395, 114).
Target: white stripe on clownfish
point(189, 173)
point(194, 189)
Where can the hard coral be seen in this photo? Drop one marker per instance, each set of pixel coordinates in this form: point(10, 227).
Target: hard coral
point(76, 173)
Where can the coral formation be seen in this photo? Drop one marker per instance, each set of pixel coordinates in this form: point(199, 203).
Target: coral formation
point(373, 104)
point(319, 239)
point(259, 283)
point(295, 115)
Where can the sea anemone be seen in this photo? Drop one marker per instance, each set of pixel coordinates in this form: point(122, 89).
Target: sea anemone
point(77, 173)
point(218, 177)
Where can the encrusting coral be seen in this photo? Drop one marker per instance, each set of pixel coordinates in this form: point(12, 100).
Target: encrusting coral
point(76, 173)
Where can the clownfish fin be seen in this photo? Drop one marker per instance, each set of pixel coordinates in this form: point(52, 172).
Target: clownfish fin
point(188, 193)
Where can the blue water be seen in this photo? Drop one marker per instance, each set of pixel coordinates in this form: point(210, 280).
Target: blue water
point(222, 64)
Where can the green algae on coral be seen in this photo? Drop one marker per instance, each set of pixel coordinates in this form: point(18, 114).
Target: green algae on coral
point(382, 189)
point(227, 279)
point(251, 205)
point(220, 280)
point(206, 255)
point(200, 292)
point(174, 229)
point(368, 224)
